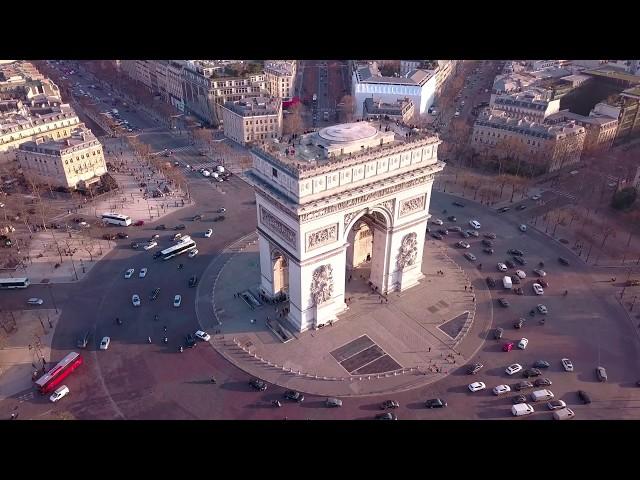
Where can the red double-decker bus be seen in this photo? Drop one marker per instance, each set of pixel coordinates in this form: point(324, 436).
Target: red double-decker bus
point(57, 374)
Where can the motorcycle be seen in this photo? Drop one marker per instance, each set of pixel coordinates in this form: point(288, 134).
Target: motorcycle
point(276, 403)
point(541, 264)
point(180, 267)
point(165, 340)
point(542, 320)
point(181, 349)
point(149, 339)
point(118, 321)
point(156, 318)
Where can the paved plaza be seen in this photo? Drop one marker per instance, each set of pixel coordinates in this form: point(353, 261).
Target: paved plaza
point(379, 344)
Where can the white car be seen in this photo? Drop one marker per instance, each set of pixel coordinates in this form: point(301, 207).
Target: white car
point(150, 245)
point(523, 227)
point(540, 273)
point(437, 221)
point(457, 114)
point(522, 344)
point(129, 273)
point(59, 393)
point(475, 224)
point(35, 301)
point(536, 197)
point(521, 274)
point(515, 368)
point(542, 309)
point(477, 386)
point(567, 365)
point(208, 233)
point(135, 299)
point(143, 273)
point(501, 389)
point(204, 336)
point(177, 300)
point(537, 288)
point(104, 344)
point(502, 267)
point(193, 253)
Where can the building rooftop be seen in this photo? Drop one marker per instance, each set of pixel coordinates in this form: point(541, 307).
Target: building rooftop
point(252, 107)
point(371, 74)
point(334, 146)
point(609, 72)
point(526, 127)
point(80, 138)
point(565, 115)
point(379, 107)
point(280, 67)
point(525, 100)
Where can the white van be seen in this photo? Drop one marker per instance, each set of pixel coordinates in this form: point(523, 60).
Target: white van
point(563, 414)
point(59, 393)
point(521, 409)
point(507, 283)
point(220, 169)
point(542, 395)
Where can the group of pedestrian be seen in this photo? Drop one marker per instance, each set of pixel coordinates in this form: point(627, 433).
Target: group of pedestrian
point(440, 272)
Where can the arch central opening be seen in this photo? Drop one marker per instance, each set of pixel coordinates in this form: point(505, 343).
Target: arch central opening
point(364, 266)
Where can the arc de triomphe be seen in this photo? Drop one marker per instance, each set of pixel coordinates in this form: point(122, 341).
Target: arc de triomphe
point(345, 196)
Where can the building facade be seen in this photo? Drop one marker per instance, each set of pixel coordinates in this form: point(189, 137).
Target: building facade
point(419, 86)
point(545, 148)
point(280, 77)
point(524, 106)
point(600, 129)
point(71, 163)
point(253, 120)
point(324, 212)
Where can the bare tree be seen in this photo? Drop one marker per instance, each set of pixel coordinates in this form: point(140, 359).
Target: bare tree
point(347, 108)
point(293, 122)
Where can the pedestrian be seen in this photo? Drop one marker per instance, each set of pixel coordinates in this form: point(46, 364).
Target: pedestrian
point(471, 287)
point(380, 301)
point(429, 349)
point(465, 288)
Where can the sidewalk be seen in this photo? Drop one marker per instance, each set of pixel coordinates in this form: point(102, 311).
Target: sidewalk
point(424, 330)
point(35, 329)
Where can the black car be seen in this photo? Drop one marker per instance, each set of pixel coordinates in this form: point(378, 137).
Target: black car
point(193, 281)
point(437, 236)
point(488, 251)
point(83, 340)
point(458, 204)
point(563, 261)
point(161, 227)
point(155, 293)
point(443, 231)
point(490, 236)
point(386, 416)
point(464, 235)
point(294, 396)
point(435, 403)
point(190, 341)
point(523, 386)
point(474, 368)
point(197, 218)
point(179, 227)
point(515, 251)
point(497, 333)
point(157, 255)
point(520, 260)
point(541, 364)
point(122, 235)
point(258, 384)
point(584, 396)
point(542, 382)
point(518, 323)
point(454, 228)
point(519, 399)
point(219, 218)
point(509, 264)
point(491, 282)
point(515, 279)
point(389, 404)
point(504, 209)
point(531, 372)
point(518, 291)
point(503, 302)
point(452, 218)
point(487, 243)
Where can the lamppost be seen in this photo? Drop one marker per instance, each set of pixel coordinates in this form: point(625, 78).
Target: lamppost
point(52, 298)
point(633, 303)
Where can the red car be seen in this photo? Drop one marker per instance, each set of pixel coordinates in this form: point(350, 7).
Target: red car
point(507, 347)
point(139, 223)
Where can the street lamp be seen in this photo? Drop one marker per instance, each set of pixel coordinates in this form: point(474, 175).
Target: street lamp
point(52, 298)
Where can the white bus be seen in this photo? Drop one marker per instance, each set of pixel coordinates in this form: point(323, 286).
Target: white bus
point(178, 249)
point(6, 283)
point(116, 219)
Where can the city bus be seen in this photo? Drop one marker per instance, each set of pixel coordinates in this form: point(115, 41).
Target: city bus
point(116, 219)
point(179, 248)
point(6, 283)
point(50, 380)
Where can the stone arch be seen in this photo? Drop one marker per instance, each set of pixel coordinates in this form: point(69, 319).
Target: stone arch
point(382, 210)
point(280, 271)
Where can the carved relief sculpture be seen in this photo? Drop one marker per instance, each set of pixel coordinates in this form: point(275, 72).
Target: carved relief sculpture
point(412, 205)
point(268, 219)
point(322, 237)
point(388, 204)
point(347, 220)
point(408, 251)
point(322, 284)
